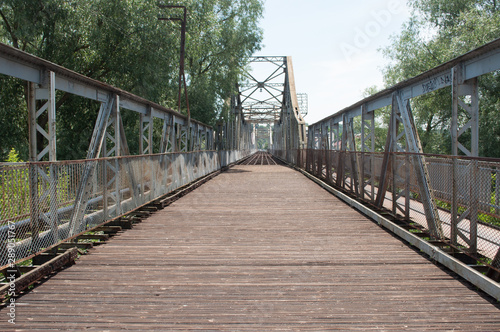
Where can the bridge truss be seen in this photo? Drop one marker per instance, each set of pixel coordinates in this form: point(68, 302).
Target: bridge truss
point(266, 96)
point(47, 201)
point(444, 197)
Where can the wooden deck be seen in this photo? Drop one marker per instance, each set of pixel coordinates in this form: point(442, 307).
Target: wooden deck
point(258, 248)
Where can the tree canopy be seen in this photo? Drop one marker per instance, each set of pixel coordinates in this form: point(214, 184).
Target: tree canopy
point(122, 42)
point(438, 31)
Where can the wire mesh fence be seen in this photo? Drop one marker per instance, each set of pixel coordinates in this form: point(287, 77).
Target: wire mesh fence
point(42, 204)
point(465, 192)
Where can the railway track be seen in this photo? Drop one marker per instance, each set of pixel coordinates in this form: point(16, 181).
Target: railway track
point(262, 158)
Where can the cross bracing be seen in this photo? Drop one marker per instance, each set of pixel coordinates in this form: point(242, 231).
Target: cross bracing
point(262, 89)
point(401, 177)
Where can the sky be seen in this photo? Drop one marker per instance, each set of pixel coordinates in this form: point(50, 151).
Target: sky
point(334, 46)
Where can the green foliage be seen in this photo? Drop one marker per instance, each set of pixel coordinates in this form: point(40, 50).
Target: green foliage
point(482, 216)
point(222, 35)
point(14, 188)
point(262, 144)
point(13, 156)
point(122, 42)
point(438, 31)
point(382, 117)
point(13, 118)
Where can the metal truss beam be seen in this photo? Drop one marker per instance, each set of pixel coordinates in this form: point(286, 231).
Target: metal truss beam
point(66, 198)
point(83, 193)
point(403, 147)
point(19, 64)
point(480, 61)
point(262, 98)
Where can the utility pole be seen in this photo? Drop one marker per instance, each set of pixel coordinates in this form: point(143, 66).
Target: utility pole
point(182, 76)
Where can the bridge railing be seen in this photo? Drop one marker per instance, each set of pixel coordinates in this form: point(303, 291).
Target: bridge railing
point(454, 199)
point(47, 201)
point(35, 218)
point(466, 187)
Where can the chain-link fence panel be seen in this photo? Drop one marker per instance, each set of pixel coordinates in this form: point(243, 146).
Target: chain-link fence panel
point(460, 204)
point(42, 204)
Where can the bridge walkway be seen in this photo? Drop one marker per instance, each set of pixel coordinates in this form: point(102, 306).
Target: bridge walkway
point(258, 248)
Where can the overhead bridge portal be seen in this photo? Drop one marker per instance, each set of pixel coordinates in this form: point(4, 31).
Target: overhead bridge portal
point(202, 231)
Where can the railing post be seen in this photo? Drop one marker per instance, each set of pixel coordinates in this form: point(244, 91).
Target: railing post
point(118, 152)
point(462, 88)
point(474, 206)
point(33, 169)
point(454, 202)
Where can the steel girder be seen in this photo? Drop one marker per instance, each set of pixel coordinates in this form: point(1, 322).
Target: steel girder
point(303, 101)
point(271, 101)
point(262, 95)
point(461, 74)
point(44, 79)
point(289, 132)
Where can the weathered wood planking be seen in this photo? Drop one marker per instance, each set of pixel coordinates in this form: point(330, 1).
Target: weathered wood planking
point(258, 248)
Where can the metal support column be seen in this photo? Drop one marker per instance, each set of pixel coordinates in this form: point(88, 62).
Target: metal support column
point(469, 90)
point(367, 153)
point(46, 92)
point(111, 169)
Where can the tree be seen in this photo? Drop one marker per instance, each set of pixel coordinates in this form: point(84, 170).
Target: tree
point(122, 42)
point(229, 34)
point(438, 31)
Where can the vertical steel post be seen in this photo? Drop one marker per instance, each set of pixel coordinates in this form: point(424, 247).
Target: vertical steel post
point(363, 153)
point(342, 152)
point(394, 160)
point(33, 169)
point(465, 88)
point(46, 92)
point(368, 121)
point(354, 157)
point(456, 80)
point(51, 109)
point(118, 152)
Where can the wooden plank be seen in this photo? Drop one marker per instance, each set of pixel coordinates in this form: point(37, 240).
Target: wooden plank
point(69, 245)
point(101, 237)
point(38, 273)
point(123, 223)
point(108, 229)
point(258, 248)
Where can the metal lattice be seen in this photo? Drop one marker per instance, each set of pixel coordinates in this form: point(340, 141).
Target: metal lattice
point(36, 218)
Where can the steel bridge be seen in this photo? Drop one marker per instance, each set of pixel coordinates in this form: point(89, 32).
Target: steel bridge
point(200, 231)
